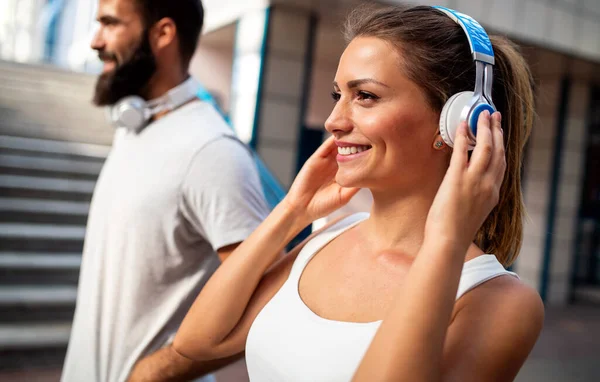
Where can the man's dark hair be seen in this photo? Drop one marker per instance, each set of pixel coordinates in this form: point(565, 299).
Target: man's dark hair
point(188, 16)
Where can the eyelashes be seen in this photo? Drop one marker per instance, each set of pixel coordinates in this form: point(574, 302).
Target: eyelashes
point(359, 95)
point(362, 95)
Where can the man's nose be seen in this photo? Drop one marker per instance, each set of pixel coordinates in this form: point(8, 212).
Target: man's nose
point(97, 41)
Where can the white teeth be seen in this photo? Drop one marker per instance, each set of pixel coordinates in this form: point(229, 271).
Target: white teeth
point(352, 150)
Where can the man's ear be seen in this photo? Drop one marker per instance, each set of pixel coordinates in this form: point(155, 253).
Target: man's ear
point(162, 34)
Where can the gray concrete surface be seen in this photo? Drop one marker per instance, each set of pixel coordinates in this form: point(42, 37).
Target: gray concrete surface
point(568, 349)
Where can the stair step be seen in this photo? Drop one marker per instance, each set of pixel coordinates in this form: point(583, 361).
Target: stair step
point(37, 296)
point(37, 303)
point(40, 211)
point(53, 165)
point(19, 336)
point(46, 184)
point(43, 206)
point(55, 147)
point(49, 245)
point(41, 231)
point(40, 261)
point(17, 365)
point(41, 269)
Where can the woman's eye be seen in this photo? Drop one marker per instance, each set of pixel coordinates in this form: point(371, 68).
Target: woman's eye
point(335, 96)
point(362, 95)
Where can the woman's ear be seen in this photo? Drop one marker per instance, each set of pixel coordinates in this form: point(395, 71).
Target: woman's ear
point(438, 142)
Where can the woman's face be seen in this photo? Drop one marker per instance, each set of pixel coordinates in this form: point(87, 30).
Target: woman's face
point(382, 123)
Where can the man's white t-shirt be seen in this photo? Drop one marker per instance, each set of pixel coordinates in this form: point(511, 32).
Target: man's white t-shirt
point(167, 198)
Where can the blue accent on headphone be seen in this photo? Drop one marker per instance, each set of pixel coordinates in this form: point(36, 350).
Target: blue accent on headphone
point(480, 44)
point(475, 115)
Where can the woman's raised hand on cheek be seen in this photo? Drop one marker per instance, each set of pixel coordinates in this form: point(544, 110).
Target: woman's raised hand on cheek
point(315, 193)
point(471, 188)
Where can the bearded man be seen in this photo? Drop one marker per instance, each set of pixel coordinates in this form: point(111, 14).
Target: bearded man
point(176, 195)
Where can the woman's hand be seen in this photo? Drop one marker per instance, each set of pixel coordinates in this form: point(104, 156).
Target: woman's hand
point(471, 188)
point(315, 193)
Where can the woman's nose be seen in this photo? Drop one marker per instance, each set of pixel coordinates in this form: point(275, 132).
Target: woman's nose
point(338, 121)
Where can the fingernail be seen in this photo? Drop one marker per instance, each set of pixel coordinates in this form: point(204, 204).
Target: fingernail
point(502, 130)
point(486, 113)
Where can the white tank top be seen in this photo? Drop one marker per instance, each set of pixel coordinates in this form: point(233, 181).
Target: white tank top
point(288, 342)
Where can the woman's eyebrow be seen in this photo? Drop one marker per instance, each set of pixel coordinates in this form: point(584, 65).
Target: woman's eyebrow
point(356, 83)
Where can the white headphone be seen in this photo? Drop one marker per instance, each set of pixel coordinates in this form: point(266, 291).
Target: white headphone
point(467, 105)
point(133, 112)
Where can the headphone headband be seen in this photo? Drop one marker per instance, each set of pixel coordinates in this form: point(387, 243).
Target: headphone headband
point(175, 97)
point(467, 106)
point(133, 112)
point(481, 46)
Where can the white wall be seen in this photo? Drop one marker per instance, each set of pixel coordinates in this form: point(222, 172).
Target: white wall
point(329, 46)
point(212, 67)
point(20, 32)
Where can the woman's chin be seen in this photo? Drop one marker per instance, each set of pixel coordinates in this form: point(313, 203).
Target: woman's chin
point(347, 180)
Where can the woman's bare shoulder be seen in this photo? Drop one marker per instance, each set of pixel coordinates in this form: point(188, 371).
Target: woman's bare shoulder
point(506, 303)
point(493, 330)
point(505, 292)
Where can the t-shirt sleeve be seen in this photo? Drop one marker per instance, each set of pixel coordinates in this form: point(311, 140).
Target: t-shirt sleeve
point(221, 193)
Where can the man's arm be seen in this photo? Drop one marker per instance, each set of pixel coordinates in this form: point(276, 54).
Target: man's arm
point(166, 365)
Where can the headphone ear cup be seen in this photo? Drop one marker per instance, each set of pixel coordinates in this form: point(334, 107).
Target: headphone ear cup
point(129, 112)
point(453, 114)
point(474, 117)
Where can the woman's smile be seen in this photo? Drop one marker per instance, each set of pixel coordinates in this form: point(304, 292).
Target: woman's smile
point(350, 151)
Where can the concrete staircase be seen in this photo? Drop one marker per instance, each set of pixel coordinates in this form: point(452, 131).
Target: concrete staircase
point(45, 189)
point(52, 146)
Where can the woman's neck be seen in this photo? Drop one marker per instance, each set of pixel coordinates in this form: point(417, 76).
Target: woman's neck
point(397, 222)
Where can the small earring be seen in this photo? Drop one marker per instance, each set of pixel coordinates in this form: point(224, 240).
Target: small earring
point(439, 144)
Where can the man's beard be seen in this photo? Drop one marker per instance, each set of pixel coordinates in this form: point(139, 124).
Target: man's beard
point(128, 78)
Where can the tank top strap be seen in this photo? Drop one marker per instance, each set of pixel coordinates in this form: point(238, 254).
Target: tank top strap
point(479, 270)
point(321, 240)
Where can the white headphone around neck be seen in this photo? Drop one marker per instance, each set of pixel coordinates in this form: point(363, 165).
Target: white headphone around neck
point(467, 105)
point(133, 112)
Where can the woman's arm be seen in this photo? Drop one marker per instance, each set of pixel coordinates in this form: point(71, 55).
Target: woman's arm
point(204, 332)
point(217, 324)
point(409, 344)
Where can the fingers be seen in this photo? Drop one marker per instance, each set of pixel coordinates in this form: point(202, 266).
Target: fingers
point(484, 149)
point(346, 193)
point(327, 148)
point(498, 162)
point(323, 159)
point(460, 153)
